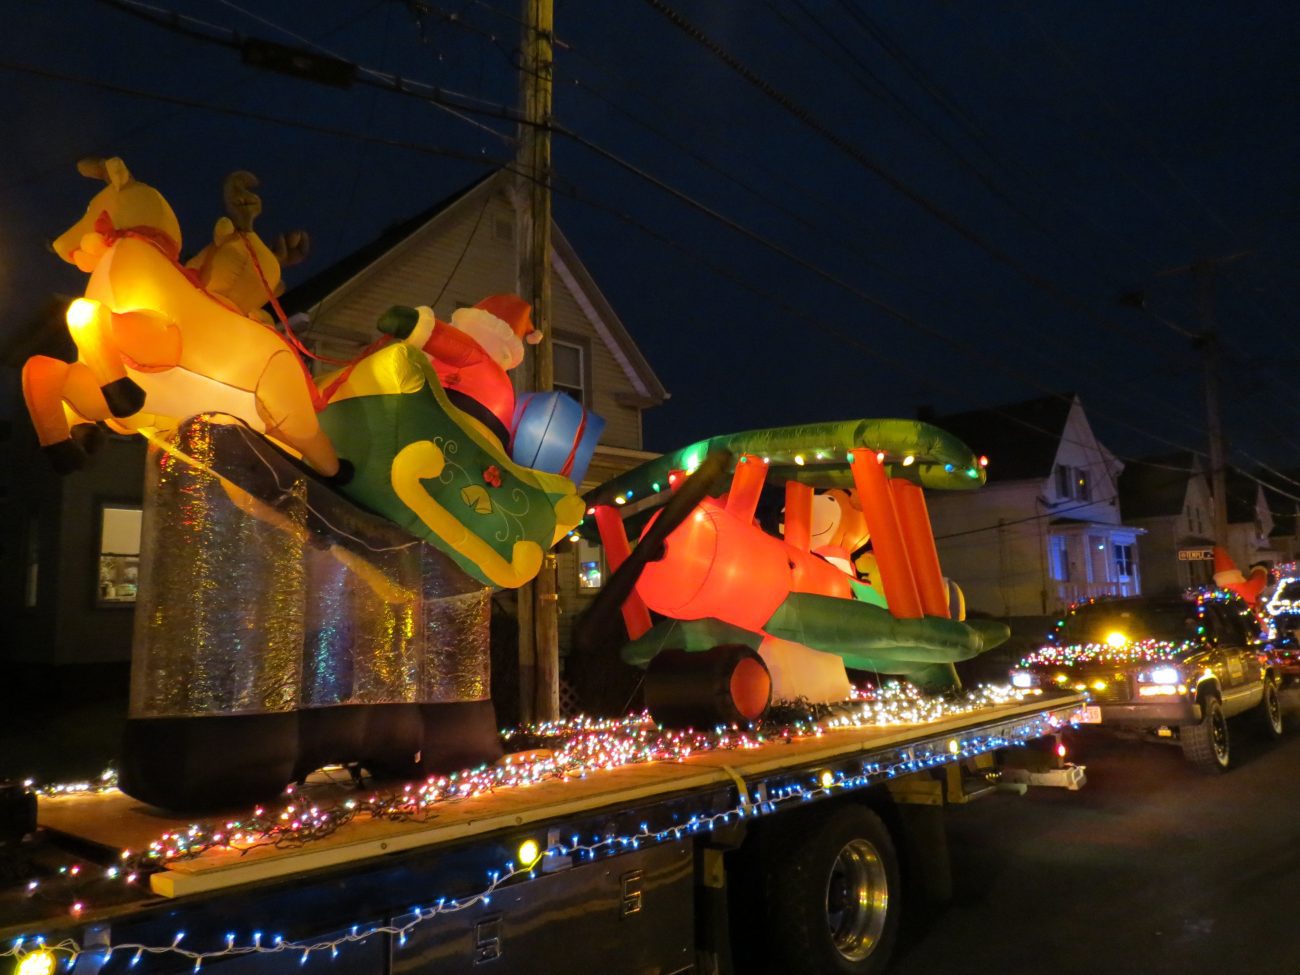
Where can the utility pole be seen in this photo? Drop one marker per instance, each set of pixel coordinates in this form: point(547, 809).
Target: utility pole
point(1207, 342)
point(538, 606)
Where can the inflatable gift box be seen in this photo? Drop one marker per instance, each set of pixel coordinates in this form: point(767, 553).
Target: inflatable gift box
point(552, 432)
point(280, 628)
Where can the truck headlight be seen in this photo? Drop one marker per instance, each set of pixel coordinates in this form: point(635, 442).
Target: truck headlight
point(1161, 675)
point(1023, 679)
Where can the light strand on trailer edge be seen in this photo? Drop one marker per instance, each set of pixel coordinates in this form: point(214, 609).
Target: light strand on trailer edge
point(820, 784)
point(575, 748)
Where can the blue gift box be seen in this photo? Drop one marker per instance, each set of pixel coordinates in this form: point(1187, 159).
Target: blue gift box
point(554, 433)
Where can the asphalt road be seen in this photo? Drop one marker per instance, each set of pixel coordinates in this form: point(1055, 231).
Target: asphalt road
point(1152, 867)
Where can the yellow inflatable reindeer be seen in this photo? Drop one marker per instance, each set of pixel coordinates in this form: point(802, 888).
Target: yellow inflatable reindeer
point(158, 342)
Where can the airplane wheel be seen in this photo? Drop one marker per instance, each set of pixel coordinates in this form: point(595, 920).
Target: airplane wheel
point(728, 684)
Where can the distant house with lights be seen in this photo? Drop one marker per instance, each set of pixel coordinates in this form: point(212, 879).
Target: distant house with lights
point(1169, 497)
point(70, 545)
point(1046, 530)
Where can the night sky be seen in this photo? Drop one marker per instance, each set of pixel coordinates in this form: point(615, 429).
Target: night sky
point(934, 203)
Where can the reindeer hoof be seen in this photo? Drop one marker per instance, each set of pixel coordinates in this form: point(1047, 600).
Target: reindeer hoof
point(123, 396)
point(343, 475)
point(89, 436)
point(65, 456)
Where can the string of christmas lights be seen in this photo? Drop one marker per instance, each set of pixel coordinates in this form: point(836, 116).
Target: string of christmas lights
point(37, 957)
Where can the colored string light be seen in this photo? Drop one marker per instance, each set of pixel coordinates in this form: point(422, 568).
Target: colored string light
point(893, 702)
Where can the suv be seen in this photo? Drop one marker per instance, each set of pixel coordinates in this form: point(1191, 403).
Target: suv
point(1177, 667)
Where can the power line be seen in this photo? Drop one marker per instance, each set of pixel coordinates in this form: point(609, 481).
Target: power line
point(433, 93)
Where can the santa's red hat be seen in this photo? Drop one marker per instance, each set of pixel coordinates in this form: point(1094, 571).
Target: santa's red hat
point(515, 312)
point(1226, 572)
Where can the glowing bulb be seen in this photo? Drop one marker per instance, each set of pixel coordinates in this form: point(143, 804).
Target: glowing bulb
point(82, 313)
point(620, 500)
point(39, 962)
point(984, 461)
point(1116, 639)
point(529, 852)
point(909, 460)
point(827, 779)
point(798, 459)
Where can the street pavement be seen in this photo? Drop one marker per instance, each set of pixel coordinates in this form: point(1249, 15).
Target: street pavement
point(1152, 867)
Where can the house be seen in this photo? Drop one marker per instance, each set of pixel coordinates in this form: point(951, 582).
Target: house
point(450, 256)
point(1281, 490)
point(71, 544)
point(1250, 521)
point(1045, 531)
point(1169, 497)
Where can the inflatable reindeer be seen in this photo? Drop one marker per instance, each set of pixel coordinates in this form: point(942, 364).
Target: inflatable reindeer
point(158, 342)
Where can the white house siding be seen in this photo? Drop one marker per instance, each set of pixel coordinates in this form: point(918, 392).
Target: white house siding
point(995, 541)
point(415, 272)
point(1000, 567)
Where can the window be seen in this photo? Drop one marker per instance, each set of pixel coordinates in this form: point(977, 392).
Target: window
point(1072, 483)
point(569, 370)
point(1063, 482)
point(591, 565)
point(1058, 553)
point(119, 554)
point(1124, 561)
point(33, 562)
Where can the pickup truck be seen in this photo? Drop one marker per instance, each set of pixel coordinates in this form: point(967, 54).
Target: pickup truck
point(1175, 667)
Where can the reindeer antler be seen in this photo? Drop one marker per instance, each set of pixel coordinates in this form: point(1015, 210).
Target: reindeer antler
point(242, 205)
point(292, 248)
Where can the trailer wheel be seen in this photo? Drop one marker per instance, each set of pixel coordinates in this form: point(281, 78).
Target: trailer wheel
point(1205, 744)
point(1270, 710)
point(834, 896)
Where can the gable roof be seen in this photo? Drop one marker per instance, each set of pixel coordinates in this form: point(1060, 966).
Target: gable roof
point(305, 296)
point(565, 264)
point(1243, 497)
point(1021, 440)
point(1156, 486)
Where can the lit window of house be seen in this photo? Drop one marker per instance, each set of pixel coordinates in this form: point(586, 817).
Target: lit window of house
point(1072, 483)
point(1124, 564)
point(569, 369)
point(119, 554)
point(591, 565)
point(1058, 552)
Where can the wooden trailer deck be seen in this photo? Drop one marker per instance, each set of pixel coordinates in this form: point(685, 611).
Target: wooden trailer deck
point(116, 821)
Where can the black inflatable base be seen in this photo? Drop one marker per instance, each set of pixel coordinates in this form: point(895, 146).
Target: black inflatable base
point(229, 761)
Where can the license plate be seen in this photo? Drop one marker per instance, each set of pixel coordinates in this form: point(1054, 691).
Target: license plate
point(1090, 714)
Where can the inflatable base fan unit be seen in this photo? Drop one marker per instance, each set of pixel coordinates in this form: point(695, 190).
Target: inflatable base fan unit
point(554, 433)
point(280, 629)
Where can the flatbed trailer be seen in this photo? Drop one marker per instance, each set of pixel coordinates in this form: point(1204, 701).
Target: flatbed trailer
point(795, 854)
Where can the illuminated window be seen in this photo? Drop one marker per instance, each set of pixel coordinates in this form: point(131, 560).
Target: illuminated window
point(1124, 564)
point(119, 554)
point(1072, 483)
point(591, 565)
point(569, 369)
point(1058, 550)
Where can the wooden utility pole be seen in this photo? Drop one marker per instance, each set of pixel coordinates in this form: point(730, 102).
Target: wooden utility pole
point(1208, 343)
point(1202, 272)
point(539, 641)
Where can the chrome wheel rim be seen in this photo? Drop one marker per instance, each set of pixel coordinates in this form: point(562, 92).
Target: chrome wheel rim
point(1219, 736)
point(857, 900)
point(1274, 706)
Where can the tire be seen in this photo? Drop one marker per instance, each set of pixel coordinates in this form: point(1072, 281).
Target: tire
point(1205, 744)
point(833, 894)
point(1270, 710)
